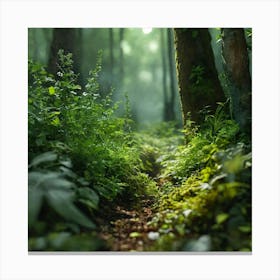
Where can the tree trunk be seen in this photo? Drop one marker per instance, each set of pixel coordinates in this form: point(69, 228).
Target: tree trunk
point(66, 39)
point(121, 73)
point(32, 44)
point(111, 46)
point(199, 85)
point(164, 76)
point(237, 69)
point(171, 62)
point(78, 56)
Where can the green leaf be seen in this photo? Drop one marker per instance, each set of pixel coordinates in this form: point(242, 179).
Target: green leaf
point(51, 91)
point(48, 181)
point(55, 121)
point(220, 218)
point(77, 87)
point(39, 186)
point(61, 202)
point(35, 200)
point(245, 229)
point(43, 158)
point(134, 234)
point(88, 197)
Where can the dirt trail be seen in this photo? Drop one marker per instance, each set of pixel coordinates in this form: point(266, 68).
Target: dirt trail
point(129, 231)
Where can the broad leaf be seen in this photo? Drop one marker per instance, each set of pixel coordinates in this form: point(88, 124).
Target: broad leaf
point(61, 202)
point(51, 90)
point(220, 218)
point(42, 158)
point(35, 200)
point(50, 180)
point(88, 197)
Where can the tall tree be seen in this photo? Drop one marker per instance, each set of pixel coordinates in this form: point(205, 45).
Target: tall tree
point(234, 49)
point(111, 47)
point(33, 50)
point(169, 90)
point(78, 55)
point(67, 39)
point(164, 76)
point(121, 62)
point(199, 85)
point(171, 62)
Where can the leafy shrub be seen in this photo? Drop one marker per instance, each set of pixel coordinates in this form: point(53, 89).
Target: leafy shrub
point(57, 189)
point(213, 202)
point(81, 156)
point(205, 195)
point(203, 142)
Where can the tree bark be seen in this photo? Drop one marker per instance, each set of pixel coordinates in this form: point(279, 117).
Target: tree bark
point(66, 39)
point(78, 56)
point(171, 62)
point(164, 76)
point(199, 85)
point(235, 54)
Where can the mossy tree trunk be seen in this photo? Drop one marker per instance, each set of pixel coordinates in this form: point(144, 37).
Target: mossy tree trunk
point(236, 59)
point(198, 81)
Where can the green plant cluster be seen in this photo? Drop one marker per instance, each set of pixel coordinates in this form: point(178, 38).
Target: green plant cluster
point(205, 192)
point(155, 143)
point(81, 156)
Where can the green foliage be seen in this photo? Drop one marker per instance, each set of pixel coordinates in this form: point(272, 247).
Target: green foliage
point(81, 156)
point(83, 160)
point(216, 133)
point(65, 241)
point(205, 193)
point(54, 188)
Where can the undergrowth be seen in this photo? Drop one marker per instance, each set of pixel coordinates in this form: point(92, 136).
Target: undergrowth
point(84, 160)
point(204, 199)
point(82, 157)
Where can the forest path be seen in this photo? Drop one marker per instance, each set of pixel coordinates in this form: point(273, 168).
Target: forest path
point(128, 227)
point(129, 231)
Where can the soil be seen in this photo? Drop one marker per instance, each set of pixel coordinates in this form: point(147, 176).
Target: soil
point(128, 231)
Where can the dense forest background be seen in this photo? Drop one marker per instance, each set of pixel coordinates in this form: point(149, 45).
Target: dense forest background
point(139, 139)
point(137, 62)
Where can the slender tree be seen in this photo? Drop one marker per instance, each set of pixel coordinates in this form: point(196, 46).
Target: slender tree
point(235, 55)
point(171, 62)
point(33, 44)
point(121, 62)
point(164, 76)
point(169, 90)
point(199, 85)
point(111, 47)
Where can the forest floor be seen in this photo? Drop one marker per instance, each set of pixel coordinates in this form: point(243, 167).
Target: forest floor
point(128, 231)
point(192, 215)
point(127, 226)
